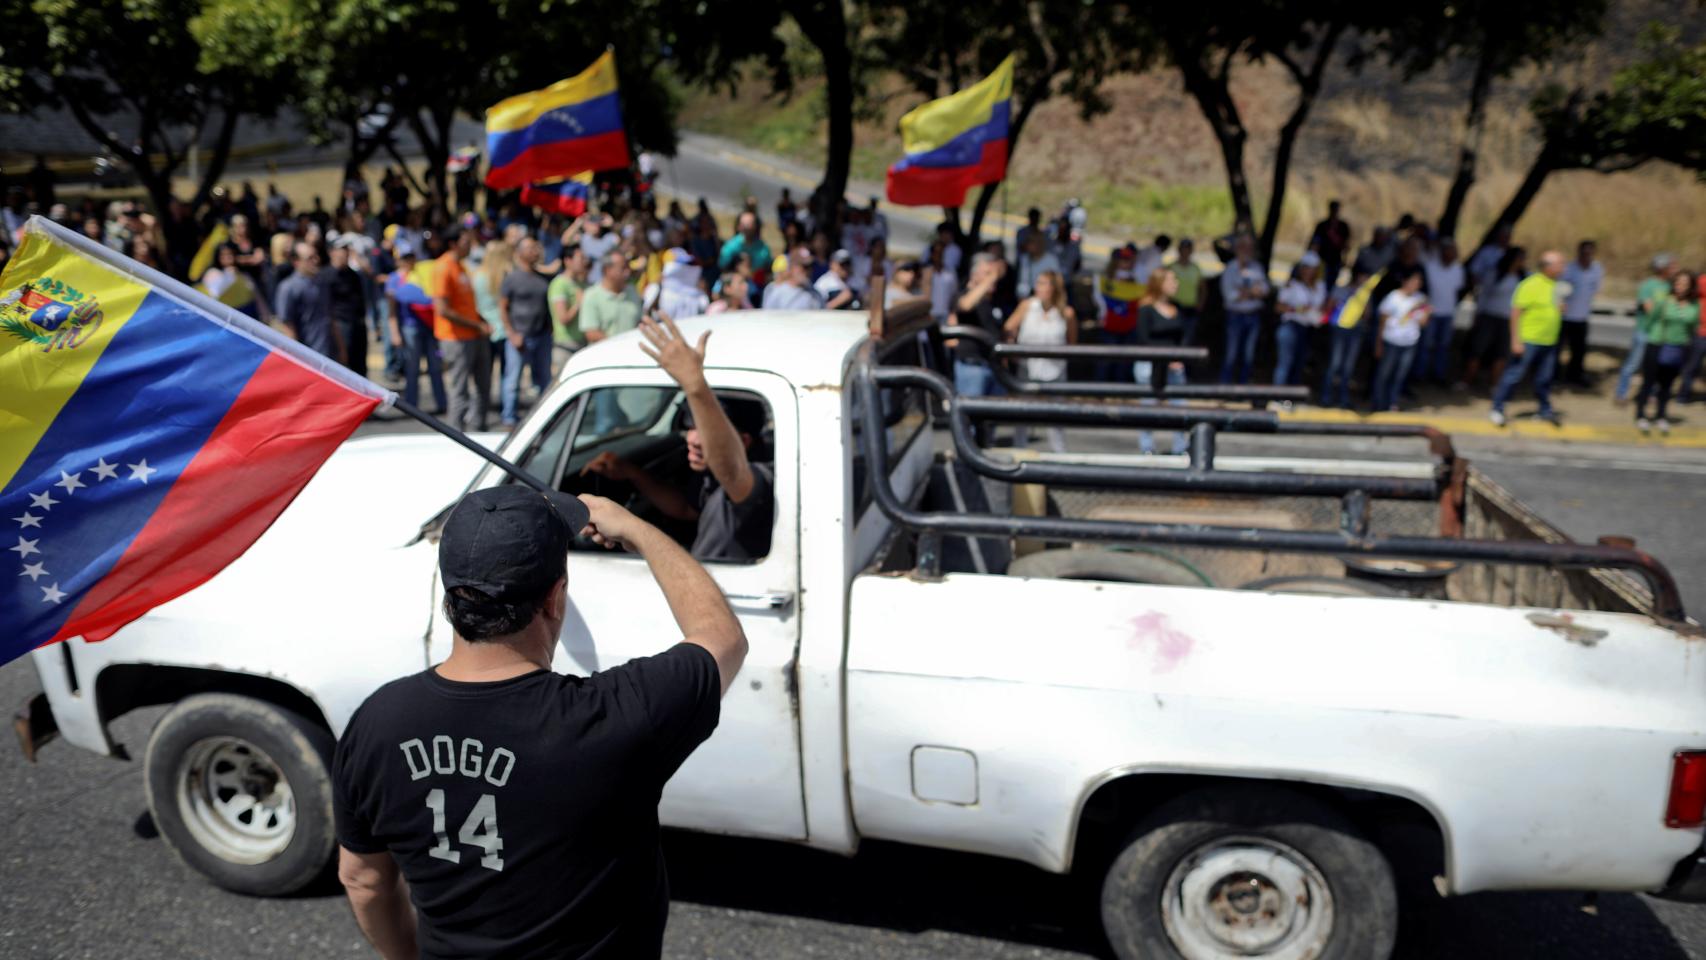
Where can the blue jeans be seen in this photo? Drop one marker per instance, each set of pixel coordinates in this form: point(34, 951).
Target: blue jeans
point(1544, 362)
point(1115, 371)
point(1433, 360)
point(535, 355)
point(1631, 364)
point(973, 378)
point(1389, 375)
point(1143, 371)
point(1242, 329)
point(1336, 386)
point(1291, 341)
point(419, 344)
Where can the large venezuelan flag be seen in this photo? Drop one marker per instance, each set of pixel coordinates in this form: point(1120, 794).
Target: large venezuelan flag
point(954, 143)
point(567, 197)
point(570, 126)
point(148, 436)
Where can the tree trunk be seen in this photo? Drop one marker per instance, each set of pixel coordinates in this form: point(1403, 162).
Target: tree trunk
point(1213, 95)
point(1474, 125)
point(1542, 167)
point(1308, 87)
point(217, 159)
point(974, 234)
point(435, 145)
point(825, 24)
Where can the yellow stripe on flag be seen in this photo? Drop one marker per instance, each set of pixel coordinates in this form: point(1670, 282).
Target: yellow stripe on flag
point(39, 371)
point(209, 247)
point(524, 108)
point(931, 125)
point(1123, 289)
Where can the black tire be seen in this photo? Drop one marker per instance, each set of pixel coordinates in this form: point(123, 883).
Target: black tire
point(1364, 924)
point(296, 748)
point(1118, 566)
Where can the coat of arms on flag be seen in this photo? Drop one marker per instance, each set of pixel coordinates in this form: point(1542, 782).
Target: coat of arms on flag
point(50, 313)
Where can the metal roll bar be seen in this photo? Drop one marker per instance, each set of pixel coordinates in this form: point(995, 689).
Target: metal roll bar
point(1351, 538)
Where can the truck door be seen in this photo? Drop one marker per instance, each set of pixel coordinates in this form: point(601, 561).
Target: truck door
point(746, 778)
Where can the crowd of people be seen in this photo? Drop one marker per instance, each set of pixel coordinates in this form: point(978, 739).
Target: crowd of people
point(482, 300)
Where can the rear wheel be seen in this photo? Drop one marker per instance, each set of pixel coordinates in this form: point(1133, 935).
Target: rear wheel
point(1249, 872)
point(242, 790)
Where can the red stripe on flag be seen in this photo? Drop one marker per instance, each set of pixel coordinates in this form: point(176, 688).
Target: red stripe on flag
point(946, 186)
point(279, 430)
point(565, 158)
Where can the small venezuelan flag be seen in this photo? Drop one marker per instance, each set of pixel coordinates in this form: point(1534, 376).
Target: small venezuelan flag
point(148, 436)
point(1121, 298)
point(954, 143)
point(571, 126)
point(567, 197)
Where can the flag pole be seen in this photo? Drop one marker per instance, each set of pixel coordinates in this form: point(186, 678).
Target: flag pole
point(405, 407)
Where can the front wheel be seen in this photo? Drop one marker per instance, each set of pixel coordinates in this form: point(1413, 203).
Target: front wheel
point(242, 791)
point(1236, 872)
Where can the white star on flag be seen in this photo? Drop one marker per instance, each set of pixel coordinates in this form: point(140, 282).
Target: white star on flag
point(34, 571)
point(43, 500)
point(141, 471)
point(25, 548)
point(52, 594)
point(28, 519)
point(69, 481)
point(104, 470)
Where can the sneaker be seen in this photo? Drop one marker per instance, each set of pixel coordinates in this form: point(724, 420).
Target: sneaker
point(1644, 425)
point(1497, 417)
point(1460, 387)
point(1551, 416)
point(1283, 406)
point(1664, 427)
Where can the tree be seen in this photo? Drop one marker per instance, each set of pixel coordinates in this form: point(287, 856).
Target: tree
point(1654, 109)
point(130, 65)
point(1497, 37)
point(1205, 40)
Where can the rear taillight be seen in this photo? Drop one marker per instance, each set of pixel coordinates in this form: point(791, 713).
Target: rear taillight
point(1687, 807)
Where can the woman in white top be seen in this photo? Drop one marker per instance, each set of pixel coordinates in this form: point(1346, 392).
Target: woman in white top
point(1302, 305)
point(1403, 314)
point(1043, 319)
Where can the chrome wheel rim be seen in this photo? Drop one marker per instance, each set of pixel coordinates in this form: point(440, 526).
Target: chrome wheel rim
point(235, 800)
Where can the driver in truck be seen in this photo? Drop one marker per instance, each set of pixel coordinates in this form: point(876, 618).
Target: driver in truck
point(575, 764)
point(733, 503)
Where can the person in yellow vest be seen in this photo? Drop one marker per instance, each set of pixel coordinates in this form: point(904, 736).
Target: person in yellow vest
point(1536, 322)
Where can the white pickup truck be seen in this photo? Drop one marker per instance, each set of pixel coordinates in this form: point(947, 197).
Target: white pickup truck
point(1208, 717)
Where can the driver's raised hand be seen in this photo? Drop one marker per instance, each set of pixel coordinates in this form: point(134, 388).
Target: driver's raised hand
point(684, 362)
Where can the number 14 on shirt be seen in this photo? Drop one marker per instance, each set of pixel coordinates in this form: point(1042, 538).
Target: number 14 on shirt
point(479, 830)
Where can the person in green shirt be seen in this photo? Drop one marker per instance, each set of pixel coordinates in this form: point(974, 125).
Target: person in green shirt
point(610, 306)
point(1651, 289)
point(564, 296)
point(1669, 328)
point(1536, 321)
point(1189, 297)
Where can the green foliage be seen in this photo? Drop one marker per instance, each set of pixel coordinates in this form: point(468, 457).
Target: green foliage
point(1500, 35)
point(23, 331)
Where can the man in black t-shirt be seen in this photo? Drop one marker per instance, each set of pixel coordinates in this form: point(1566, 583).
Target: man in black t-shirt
point(517, 807)
point(734, 504)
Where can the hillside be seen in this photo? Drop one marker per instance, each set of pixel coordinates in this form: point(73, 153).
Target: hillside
point(1383, 145)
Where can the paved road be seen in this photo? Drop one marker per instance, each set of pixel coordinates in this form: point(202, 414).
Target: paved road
point(86, 876)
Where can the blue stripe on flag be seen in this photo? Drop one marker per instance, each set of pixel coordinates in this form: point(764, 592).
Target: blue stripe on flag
point(965, 150)
point(146, 408)
point(589, 118)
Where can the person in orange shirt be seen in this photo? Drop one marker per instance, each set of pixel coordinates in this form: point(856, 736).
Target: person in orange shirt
point(463, 337)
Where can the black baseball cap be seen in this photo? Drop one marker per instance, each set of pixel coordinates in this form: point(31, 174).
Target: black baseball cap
point(509, 542)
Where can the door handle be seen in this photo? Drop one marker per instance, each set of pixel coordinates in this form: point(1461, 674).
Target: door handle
point(775, 602)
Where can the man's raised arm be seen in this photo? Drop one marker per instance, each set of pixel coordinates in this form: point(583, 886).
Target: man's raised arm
point(725, 455)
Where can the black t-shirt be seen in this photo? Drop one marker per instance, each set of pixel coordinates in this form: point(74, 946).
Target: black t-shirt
point(736, 532)
point(523, 812)
point(987, 315)
point(344, 295)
